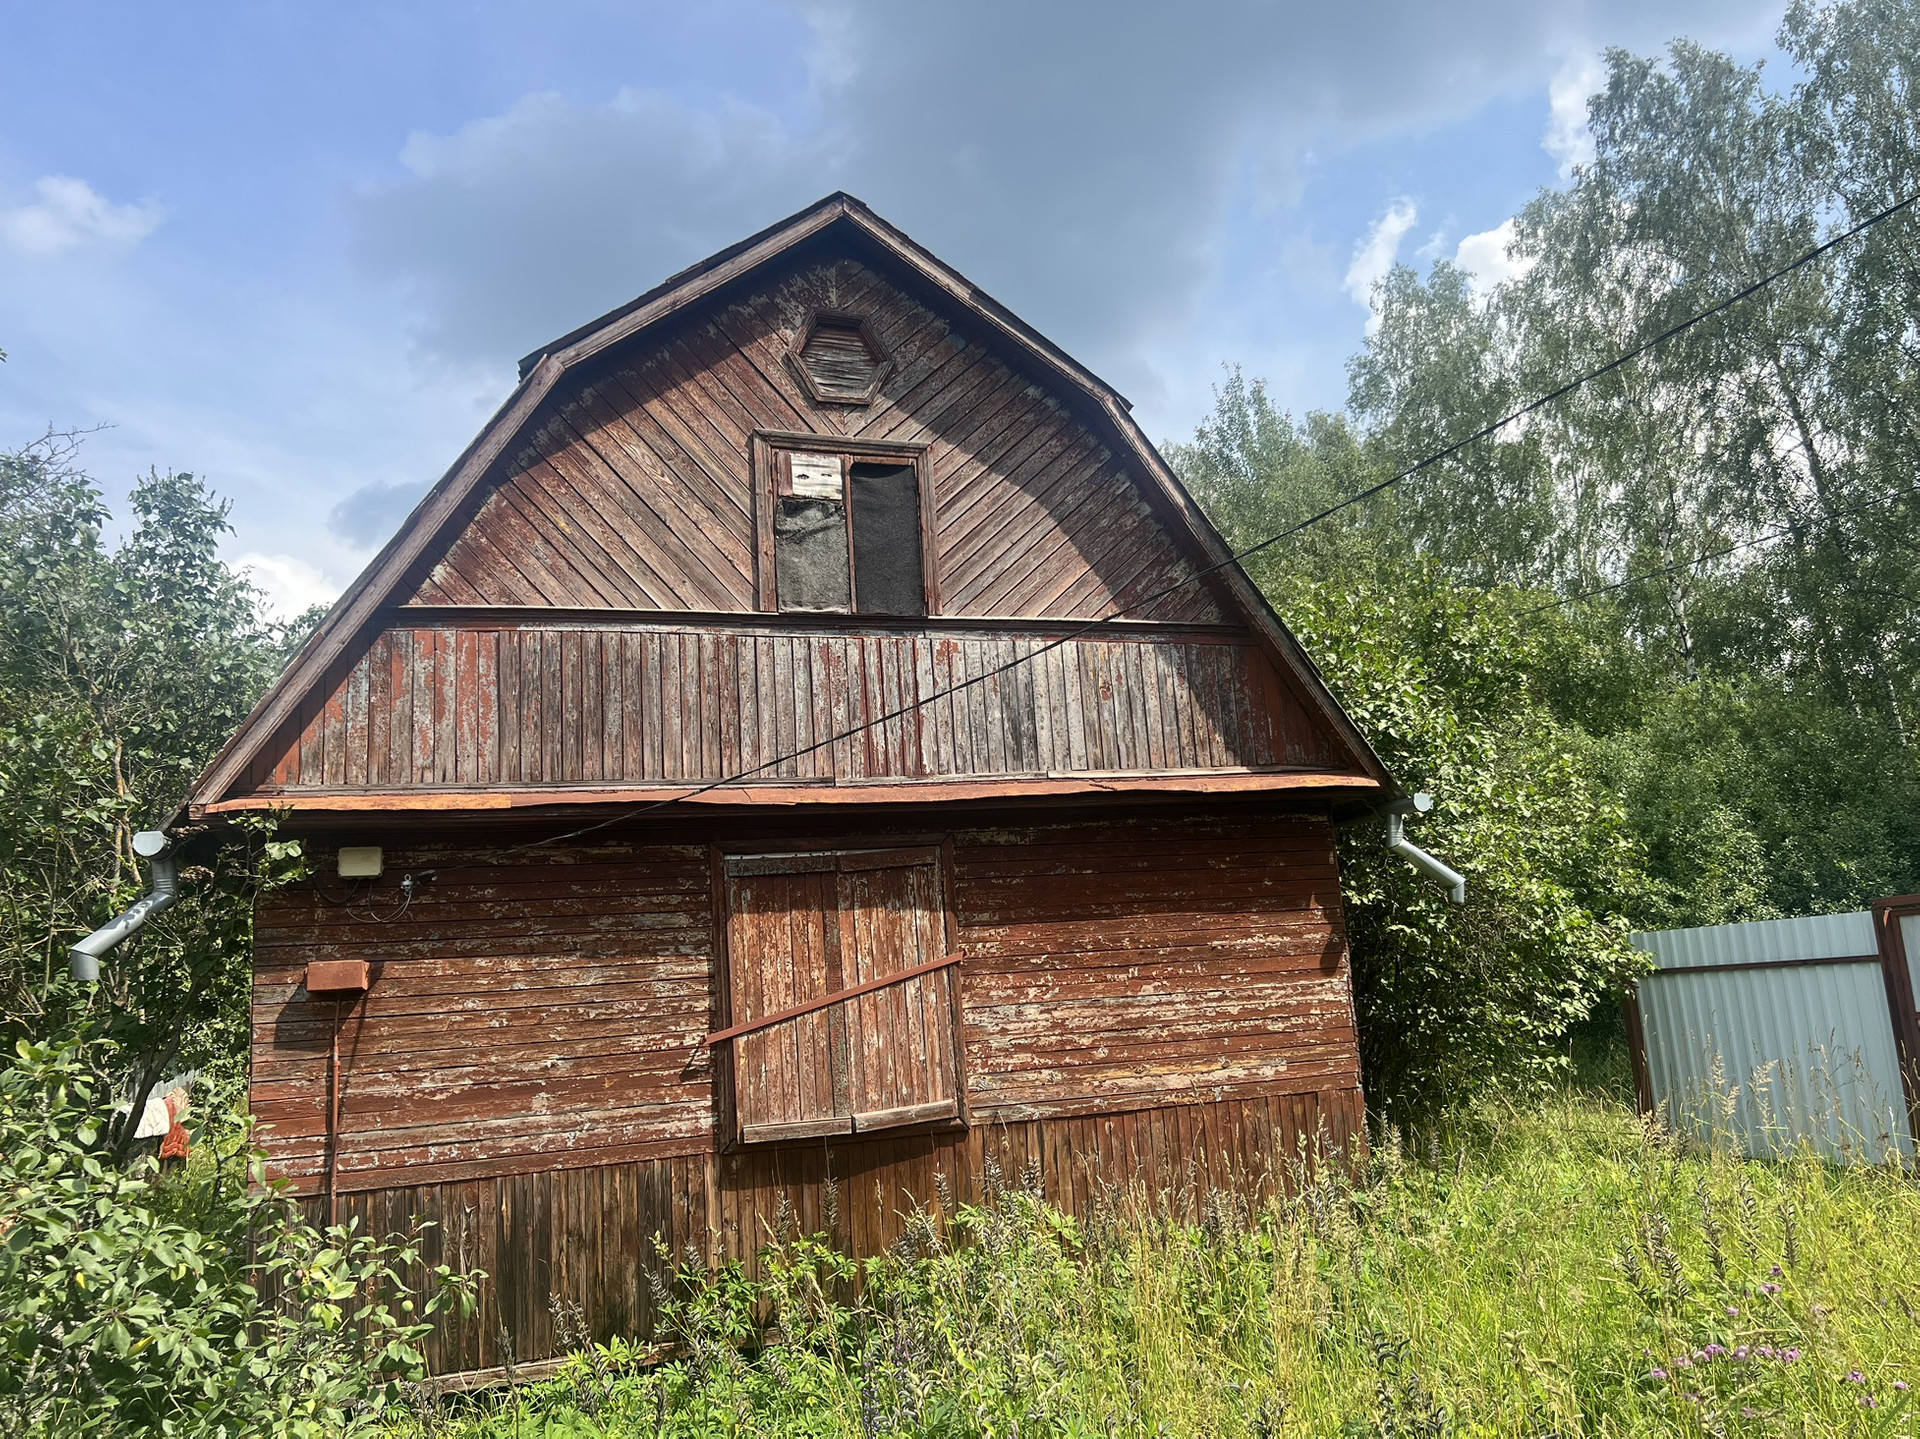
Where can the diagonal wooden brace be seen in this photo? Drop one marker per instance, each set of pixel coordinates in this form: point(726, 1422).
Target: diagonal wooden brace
point(821, 1001)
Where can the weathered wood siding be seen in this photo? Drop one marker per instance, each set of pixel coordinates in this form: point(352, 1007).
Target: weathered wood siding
point(635, 487)
point(587, 1235)
point(529, 705)
point(548, 1011)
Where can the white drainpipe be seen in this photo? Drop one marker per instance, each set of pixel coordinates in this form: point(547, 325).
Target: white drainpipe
point(1398, 842)
point(151, 845)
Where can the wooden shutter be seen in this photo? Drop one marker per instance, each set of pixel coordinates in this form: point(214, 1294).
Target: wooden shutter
point(902, 1051)
point(803, 926)
point(782, 952)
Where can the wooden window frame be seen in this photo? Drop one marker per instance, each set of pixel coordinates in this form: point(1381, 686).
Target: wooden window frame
point(727, 1125)
point(766, 447)
point(822, 398)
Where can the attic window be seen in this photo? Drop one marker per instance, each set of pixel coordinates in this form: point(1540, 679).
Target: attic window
point(847, 534)
point(839, 361)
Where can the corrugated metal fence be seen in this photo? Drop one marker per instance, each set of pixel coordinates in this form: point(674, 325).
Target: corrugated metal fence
point(1782, 1032)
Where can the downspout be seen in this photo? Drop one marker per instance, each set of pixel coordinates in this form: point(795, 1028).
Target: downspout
point(152, 845)
point(1398, 842)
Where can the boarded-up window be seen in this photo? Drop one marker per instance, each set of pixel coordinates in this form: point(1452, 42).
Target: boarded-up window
point(886, 541)
point(847, 536)
point(803, 927)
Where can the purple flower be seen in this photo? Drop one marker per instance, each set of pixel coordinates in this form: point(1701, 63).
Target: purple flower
point(1900, 1385)
point(1868, 1400)
point(1775, 1271)
point(1732, 1313)
point(1683, 1363)
point(1765, 1351)
point(1854, 1376)
point(1788, 1356)
point(1657, 1374)
point(1769, 1289)
point(1742, 1352)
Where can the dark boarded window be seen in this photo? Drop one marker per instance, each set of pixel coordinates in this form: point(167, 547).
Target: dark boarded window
point(886, 540)
point(847, 535)
point(801, 928)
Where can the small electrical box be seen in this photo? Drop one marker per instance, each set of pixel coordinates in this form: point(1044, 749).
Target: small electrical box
point(337, 976)
point(361, 861)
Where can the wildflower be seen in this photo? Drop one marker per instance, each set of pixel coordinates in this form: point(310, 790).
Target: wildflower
point(1700, 1356)
point(1775, 1271)
point(1657, 1374)
point(1732, 1313)
point(1765, 1351)
point(1854, 1376)
point(1900, 1385)
point(1769, 1289)
point(1683, 1363)
point(1712, 1351)
point(1869, 1401)
point(1789, 1356)
point(1741, 1353)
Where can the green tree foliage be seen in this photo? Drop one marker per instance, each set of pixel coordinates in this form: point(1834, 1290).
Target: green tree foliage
point(123, 668)
point(1718, 741)
point(195, 1302)
point(1439, 676)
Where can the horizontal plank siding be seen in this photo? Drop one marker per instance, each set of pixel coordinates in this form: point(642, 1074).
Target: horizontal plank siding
point(1158, 1003)
point(536, 1010)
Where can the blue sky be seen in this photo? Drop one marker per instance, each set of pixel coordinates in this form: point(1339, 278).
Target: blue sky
point(297, 249)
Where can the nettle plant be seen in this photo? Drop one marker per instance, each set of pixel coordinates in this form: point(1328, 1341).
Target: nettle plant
point(196, 1301)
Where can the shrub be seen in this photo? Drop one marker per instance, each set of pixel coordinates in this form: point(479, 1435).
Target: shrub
point(191, 1302)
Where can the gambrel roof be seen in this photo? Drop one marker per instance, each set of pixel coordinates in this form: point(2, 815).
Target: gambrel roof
point(604, 525)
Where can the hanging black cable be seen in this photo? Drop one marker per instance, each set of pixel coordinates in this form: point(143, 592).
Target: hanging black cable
point(1437, 457)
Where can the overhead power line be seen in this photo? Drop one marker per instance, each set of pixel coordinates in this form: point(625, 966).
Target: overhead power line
point(1761, 539)
point(1437, 457)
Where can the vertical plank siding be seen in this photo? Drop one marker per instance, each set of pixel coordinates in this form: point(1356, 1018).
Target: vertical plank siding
point(588, 1235)
point(635, 489)
point(1159, 998)
point(526, 706)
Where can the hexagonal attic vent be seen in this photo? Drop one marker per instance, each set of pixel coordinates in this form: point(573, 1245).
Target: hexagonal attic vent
point(838, 360)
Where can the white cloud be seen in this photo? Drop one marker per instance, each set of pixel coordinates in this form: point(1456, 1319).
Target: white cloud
point(1083, 176)
point(69, 214)
point(519, 226)
point(289, 583)
point(1484, 256)
point(1568, 139)
point(1374, 255)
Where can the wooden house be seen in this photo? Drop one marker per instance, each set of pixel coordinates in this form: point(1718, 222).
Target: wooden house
point(720, 786)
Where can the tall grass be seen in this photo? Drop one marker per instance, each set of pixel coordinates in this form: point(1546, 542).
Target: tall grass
point(1559, 1268)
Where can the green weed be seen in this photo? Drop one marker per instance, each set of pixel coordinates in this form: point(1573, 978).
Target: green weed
point(1556, 1269)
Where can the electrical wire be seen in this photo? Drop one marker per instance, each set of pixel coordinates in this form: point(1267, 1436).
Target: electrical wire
point(1763, 539)
point(1439, 456)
